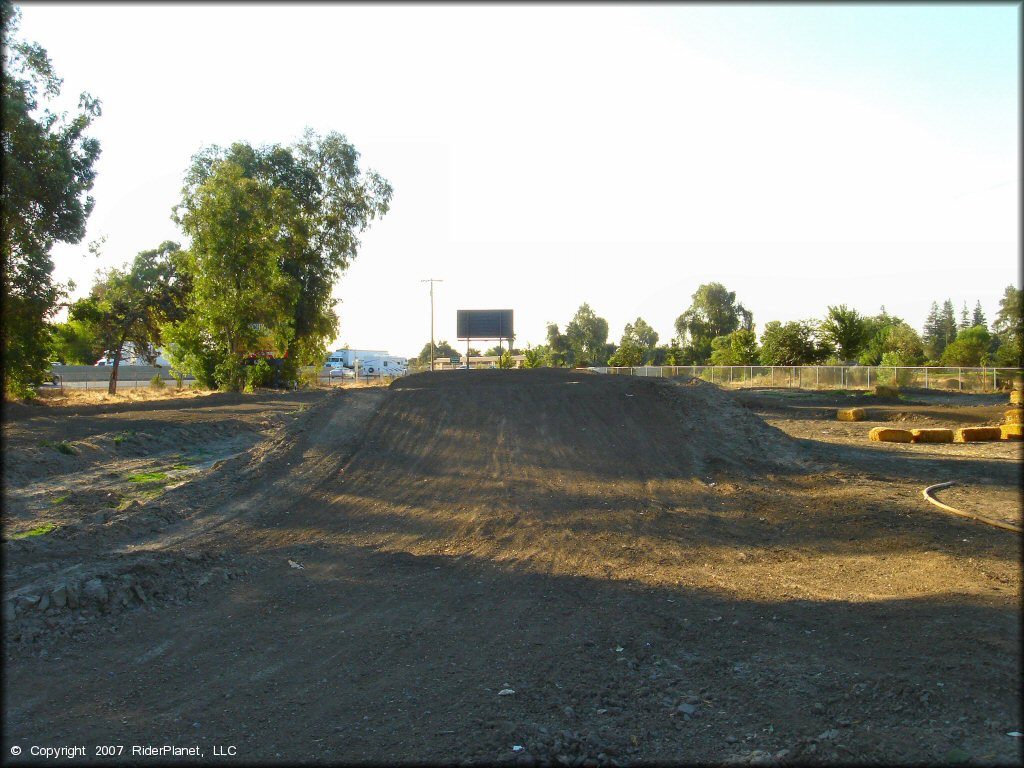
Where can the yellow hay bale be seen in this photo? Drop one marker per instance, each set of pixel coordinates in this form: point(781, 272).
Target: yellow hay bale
point(1014, 416)
point(1017, 397)
point(977, 434)
point(932, 435)
point(886, 435)
point(851, 414)
point(1012, 431)
point(886, 390)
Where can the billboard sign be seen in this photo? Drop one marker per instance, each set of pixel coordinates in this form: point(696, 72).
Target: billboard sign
point(484, 324)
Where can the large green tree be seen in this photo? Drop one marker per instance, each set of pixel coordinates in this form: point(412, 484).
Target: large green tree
point(899, 344)
point(75, 342)
point(792, 343)
point(242, 301)
point(1009, 328)
point(46, 171)
point(713, 312)
point(978, 316)
point(131, 306)
point(637, 345)
point(738, 348)
point(846, 330)
point(587, 335)
point(560, 352)
point(284, 221)
point(971, 347)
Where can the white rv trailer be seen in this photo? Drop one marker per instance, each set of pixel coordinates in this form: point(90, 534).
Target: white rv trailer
point(383, 366)
point(347, 357)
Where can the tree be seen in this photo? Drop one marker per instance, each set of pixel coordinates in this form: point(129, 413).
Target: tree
point(46, 168)
point(932, 333)
point(628, 354)
point(587, 335)
point(560, 352)
point(940, 329)
point(794, 343)
point(642, 334)
point(846, 330)
point(947, 323)
point(1008, 328)
point(637, 346)
point(713, 312)
point(242, 302)
point(978, 317)
point(442, 350)
point(132, 306)
point(899, 345)
point(969, 349)
point(536, 357)
point(303, 208)
point(965, 319)
point(75, 343)
point(738, 348)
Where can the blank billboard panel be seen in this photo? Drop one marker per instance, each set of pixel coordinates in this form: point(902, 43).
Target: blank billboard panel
point(484, 324)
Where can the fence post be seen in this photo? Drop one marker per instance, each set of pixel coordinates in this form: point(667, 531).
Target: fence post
point(773, 375)
point(995, 387)
point(869, 377)
point(926, 377)
point(959, 381)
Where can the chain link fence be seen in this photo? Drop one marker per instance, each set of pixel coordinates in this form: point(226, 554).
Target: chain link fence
point(839, 376)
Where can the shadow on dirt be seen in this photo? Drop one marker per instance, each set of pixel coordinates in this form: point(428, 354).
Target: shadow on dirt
point(383, 656)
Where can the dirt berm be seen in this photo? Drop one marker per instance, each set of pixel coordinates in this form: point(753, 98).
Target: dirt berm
point(541, 566)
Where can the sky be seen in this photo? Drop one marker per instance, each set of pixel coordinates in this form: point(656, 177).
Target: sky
point(543, 156)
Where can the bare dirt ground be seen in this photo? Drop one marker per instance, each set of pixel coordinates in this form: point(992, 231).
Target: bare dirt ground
point(546, 566)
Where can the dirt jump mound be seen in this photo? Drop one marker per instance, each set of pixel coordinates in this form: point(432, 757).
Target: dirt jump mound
point(610, 427)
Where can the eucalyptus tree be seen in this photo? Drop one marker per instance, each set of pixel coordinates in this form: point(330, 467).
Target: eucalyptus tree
point(713, 312)
point(47, 169)
point(299, 211)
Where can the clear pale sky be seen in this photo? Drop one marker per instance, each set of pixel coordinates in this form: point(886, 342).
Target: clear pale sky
point(620, 155)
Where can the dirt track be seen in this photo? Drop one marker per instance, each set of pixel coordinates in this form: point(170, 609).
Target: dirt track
point(660, 571)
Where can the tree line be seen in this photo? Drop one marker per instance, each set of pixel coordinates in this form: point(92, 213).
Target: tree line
point(273, 227)
point(271, 230)
point(716, 329)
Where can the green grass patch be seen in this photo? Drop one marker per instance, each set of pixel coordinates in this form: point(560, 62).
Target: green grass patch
point(181, 466)
point(60, 499)
point(148, 477)
point(122, 436)
point(37, 531)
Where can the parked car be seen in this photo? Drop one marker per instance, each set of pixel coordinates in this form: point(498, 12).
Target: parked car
point(342, 372)
point(103, 361)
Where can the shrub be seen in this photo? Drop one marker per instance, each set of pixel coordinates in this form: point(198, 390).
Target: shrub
point(230, 375)
point(157, 382)
point(261, 374)
point(887, 390)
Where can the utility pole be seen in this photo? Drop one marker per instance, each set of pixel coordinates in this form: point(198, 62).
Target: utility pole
point(431, 280)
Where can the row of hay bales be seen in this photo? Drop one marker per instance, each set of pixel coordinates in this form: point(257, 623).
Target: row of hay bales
point(1012, 428)
point(962, 435)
